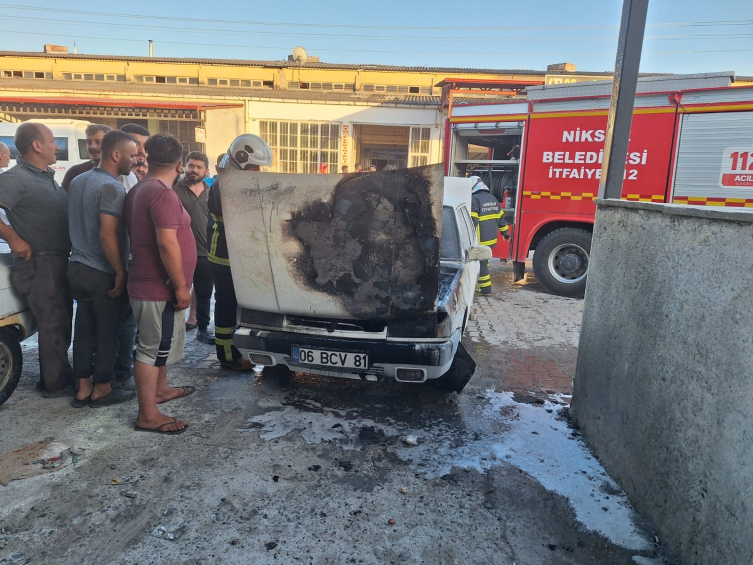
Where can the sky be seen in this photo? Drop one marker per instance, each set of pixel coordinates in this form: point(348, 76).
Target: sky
point(689, 36)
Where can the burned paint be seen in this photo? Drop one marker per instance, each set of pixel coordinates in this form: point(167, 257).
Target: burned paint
point(374, 244)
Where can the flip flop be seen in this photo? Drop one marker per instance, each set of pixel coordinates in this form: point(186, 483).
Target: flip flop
point(159, 430)
point(187, 391)
point(81, 403)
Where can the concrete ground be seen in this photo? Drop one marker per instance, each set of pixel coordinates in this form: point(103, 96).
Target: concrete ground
point(315, 470)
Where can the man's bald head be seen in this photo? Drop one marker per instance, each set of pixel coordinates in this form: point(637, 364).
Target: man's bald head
point(36, 143)
point(4, 155)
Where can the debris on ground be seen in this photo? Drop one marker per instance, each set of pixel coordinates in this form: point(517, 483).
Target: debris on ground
point(4, 539)
point(161, 532)
point(391, 522)
point(116, 482)
point(34, 459)
point(404, 490)
point(410, 440)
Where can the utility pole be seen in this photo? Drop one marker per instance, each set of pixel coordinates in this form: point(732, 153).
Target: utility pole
point(151, 48)
point(629, 47)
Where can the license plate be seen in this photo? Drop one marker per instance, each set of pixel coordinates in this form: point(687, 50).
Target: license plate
point(344, 359)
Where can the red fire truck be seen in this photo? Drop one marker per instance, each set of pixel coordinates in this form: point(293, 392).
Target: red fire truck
point(691, 143)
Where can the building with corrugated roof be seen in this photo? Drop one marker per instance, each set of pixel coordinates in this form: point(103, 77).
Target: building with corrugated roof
point(316, 116)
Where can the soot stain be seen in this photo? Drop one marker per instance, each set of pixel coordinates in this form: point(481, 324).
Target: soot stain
point(374, 244)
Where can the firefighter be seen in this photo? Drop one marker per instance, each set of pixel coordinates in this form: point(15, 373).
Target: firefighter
point(247, 152)
point(488, 218)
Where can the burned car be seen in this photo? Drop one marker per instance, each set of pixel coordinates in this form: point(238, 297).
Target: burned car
point(367, 276)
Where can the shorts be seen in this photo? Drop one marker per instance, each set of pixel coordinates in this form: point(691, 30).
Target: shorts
point(162, 332)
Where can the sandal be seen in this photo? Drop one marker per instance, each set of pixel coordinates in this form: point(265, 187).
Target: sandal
point(187, 391)
point(159, 430)
point(81, 403)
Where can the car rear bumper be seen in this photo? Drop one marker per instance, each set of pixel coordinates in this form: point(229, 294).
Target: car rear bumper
point(386, 358)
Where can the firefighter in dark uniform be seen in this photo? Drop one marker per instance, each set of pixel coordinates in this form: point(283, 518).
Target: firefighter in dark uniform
point(248, 152)
point(489, 220)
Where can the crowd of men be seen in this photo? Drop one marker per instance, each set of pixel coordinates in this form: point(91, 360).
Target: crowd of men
point(133, 243)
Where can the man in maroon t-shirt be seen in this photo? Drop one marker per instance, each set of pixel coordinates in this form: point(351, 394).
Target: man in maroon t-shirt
point(163, 259)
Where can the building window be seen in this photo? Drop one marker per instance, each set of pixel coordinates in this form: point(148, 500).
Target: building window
point(419, 146)
point(26, 74)
point(185, 132)
point(397, 89)
point(302, 147)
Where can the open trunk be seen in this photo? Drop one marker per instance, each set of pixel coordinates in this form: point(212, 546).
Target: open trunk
point(355, 246)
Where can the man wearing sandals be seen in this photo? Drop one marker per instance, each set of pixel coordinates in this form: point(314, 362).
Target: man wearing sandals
point(163, 260)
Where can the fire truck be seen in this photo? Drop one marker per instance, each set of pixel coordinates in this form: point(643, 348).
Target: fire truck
point(691, 143)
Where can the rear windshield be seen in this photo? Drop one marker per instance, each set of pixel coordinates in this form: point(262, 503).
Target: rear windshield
point(450, 241)
point(61, 154)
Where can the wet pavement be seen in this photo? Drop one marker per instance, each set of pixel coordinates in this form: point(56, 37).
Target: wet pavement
point(305, 469)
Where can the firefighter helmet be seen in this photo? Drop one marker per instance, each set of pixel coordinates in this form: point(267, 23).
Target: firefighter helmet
point(247, 149)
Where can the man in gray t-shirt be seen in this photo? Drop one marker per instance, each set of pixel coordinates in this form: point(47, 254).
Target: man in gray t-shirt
point(97, 192)
point(97, 272)
point(38, 237)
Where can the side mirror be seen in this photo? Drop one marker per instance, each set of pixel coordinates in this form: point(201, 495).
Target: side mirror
point(478, 253)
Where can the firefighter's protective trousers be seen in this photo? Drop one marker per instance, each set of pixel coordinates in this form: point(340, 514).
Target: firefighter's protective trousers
point(225, 303)
point(489, 221)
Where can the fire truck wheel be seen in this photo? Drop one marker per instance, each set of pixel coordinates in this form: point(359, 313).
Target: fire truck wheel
point(11, 362)
point(561, 261)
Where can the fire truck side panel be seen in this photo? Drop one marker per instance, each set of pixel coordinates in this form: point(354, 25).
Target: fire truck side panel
point(715, 160)
point(563, 167)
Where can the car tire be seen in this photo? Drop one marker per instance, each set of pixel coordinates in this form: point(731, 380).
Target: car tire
point(561, 261)
point(11, 362)
point(461, 371)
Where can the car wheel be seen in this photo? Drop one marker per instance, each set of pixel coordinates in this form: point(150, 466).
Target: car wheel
point(11, 362)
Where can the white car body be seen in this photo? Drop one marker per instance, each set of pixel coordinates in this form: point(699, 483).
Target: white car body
point(280, 320)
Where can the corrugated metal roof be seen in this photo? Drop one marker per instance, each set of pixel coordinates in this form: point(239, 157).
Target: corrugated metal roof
point(218, 93)
point(275, 64)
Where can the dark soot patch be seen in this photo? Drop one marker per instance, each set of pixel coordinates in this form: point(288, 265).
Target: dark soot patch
point(375, 245)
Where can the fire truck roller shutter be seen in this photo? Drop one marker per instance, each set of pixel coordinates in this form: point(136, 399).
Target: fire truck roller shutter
point(499, 181)
point(561, 260)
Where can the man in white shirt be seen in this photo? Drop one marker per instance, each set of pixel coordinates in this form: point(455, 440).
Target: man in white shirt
point(140, 134)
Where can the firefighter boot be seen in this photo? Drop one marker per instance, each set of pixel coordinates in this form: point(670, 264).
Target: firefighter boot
point(484, 286)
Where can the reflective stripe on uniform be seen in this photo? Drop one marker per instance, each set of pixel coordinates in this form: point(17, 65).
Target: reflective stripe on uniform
point(504, 228)
point(484, 284)
point(212, 252)
point(226, 344)
point(474, 214)
point(228, 331)
point(218, 260)
point(485, 278)
point(488, 243)
point(490, 217)
point(217, 218)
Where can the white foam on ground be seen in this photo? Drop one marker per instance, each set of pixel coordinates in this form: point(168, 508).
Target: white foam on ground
point(525, 436)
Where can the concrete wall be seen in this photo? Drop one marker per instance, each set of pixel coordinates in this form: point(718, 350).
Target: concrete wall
point(664, 381)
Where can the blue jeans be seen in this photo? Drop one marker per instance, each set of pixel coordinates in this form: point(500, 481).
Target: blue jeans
point(124, 364)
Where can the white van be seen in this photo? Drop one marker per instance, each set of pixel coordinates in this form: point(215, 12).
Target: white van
point(69, 135)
